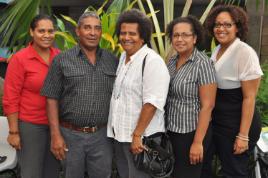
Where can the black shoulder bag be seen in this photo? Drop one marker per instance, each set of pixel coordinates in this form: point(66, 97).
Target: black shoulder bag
point(158, 159)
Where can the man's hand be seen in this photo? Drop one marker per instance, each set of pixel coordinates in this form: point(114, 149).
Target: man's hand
point(58, 147)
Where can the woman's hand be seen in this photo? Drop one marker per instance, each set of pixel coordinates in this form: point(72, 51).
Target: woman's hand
point(136, 145)
point(196, 153)
point(14, 141)
point(240, 146)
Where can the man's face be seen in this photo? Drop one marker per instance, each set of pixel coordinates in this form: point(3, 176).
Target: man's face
point(89, 32)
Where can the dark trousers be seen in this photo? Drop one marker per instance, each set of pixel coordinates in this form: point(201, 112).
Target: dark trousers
point(125, 163)
point(181, 144)
point(87, 152)
point(35, 158)
point(232, 166)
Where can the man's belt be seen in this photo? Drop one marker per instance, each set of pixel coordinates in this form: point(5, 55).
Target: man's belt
point(86, 129)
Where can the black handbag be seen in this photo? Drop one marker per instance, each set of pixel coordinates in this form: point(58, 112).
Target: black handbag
point(158, 159)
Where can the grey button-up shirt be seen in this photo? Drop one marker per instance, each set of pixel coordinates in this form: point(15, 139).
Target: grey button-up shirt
point(183, 103)
point(82, 89)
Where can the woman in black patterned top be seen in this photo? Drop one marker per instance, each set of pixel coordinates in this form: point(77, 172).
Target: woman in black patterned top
point(191, 97)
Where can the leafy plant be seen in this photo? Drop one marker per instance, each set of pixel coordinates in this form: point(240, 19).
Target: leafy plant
point(262, 98)
point(160, 45)
point(15, 21)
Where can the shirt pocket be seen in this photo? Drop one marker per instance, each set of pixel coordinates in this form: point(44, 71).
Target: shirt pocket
point(75, 79)
point(74, 74)
point(108, 79)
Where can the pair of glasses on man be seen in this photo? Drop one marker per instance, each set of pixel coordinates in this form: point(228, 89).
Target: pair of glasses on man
point(224, 25)
point(182, 35)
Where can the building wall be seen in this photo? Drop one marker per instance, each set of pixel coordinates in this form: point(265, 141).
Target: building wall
point(258, 29)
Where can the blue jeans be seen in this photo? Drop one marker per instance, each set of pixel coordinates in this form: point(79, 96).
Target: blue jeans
point(88, 152)
point(35, 157)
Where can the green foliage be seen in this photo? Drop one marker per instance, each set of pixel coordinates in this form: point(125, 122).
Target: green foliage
point(259, 1)
point(158, 44)
point(63, 38)
point(15, 21)
point(262, 98)
point(109, 39)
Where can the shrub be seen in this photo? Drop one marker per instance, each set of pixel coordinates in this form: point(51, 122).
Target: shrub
point(262, 98)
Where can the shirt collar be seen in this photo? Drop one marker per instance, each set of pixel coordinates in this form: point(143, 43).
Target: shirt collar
point(229, 49)
point(140, 54)
point(79, 51)
point(191, 58)
point(32, 54)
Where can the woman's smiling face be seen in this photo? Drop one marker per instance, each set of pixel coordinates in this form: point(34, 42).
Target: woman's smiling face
point(225, 29)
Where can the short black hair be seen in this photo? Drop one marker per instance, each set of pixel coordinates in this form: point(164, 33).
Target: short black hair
point(196, 28)
point(136, 16)
point(86, 15)
point(39, 17)
point(238, 15)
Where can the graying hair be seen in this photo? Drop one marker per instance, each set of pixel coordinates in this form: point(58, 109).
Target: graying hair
point(86, 15)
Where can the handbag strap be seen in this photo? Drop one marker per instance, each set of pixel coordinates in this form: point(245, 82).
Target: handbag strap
point(161, 151)
point(143, 64)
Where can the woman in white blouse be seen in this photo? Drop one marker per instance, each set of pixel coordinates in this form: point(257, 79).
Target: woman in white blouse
point(236, 125)
point(139, 93)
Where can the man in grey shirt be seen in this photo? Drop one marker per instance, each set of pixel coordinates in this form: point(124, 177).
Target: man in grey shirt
point(78, 88)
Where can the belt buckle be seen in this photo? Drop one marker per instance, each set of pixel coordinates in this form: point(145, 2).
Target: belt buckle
point(94, 129)
point(85, 129)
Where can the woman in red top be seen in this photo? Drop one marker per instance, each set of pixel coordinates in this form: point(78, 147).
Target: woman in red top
point(25, 107)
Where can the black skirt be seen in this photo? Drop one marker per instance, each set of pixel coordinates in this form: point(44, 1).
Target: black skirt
point(226, 116)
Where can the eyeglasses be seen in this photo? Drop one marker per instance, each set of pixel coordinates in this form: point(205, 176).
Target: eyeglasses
point(224, 25)
point(182, 35)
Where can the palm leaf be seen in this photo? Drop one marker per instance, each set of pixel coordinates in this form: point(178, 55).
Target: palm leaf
point(130, 6)
point(109, 38)
point(69, 19)
point(157, 29)
point(60, 24)
point(66, 36)
point(205, 14)
point(168, 17)
point(100, 10)
point(11, 27)
point(186, 8)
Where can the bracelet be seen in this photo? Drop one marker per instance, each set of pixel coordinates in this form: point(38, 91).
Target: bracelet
point(242, 138)
point(240, 135)
point(13, 132)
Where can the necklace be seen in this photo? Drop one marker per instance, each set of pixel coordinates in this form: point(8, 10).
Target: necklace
point(119, 88)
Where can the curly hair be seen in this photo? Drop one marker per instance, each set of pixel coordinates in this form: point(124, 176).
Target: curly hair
point(136, 16)
point(40, 17)
point(238, 15)
point(196, 28)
